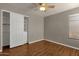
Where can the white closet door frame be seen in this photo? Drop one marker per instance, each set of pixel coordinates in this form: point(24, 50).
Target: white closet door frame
point(1, 30)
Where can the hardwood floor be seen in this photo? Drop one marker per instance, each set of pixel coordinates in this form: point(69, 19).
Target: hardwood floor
point(42, 48)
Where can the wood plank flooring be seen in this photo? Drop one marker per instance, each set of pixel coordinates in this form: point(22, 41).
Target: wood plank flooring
point(41, 48)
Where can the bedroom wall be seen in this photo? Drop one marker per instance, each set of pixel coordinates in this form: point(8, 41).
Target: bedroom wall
point(36, 27)
point(56, 28)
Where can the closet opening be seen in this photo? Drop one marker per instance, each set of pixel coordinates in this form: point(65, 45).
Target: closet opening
point(6, 31)
point(26, 22)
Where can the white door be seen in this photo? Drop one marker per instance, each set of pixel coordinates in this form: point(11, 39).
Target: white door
point(17, 30)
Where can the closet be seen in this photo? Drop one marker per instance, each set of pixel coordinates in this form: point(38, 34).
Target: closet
point(6, 29)
point(13, 29)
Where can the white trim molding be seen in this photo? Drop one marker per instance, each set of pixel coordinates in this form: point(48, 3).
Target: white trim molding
point(56, 43)
point(36, 41)
point(63, 44)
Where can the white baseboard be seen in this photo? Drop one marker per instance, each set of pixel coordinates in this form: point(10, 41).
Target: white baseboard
point(63, 44)
point(56, 43)
point(36, 41)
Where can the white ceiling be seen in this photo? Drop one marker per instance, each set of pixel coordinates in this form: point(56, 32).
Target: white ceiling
point(17, 6)
point(30, 8)
point(60, 7)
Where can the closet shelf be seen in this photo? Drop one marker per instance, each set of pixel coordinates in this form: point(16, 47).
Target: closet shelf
point(6, 24)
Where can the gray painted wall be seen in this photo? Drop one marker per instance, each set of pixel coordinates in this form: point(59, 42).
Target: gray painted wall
point(56, 28)
point(36, 27)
